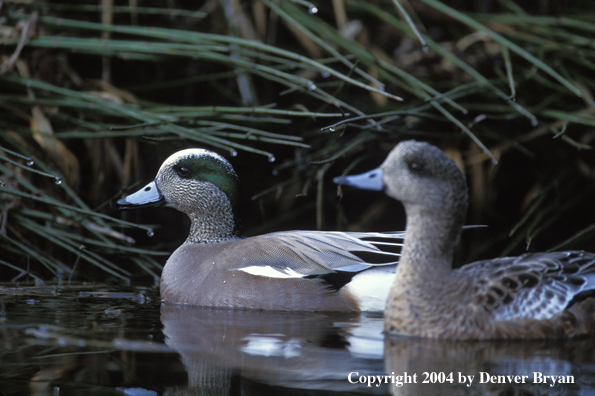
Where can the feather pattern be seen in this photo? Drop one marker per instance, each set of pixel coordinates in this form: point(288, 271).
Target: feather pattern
point(534, 285)
point(306, 253)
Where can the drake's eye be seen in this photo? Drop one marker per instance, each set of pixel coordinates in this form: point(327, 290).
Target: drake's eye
point(183, 171)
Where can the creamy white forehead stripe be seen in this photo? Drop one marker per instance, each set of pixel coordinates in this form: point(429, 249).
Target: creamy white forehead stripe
point(194, 152)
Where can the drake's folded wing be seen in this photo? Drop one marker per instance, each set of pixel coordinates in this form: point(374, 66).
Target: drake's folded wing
point(296, 254)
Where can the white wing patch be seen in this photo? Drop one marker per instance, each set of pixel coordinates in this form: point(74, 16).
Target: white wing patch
point(271, 272)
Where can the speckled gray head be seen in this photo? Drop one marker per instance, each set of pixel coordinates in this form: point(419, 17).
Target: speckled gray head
point(197, 182)
point(195, 157)
point(190, 164)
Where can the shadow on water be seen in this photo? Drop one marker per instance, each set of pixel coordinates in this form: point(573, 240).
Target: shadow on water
point(100, 340)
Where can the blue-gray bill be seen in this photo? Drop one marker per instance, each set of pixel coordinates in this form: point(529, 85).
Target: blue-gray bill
point(372, 180)
point(145, 197)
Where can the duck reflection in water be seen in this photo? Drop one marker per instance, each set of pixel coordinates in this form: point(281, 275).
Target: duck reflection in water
point(510, 367)
point(224, 349)
point(228, 350)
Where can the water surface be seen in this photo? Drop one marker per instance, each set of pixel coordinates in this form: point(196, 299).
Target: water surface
point(113, 340)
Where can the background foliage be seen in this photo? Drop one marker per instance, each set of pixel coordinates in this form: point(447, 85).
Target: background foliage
point(96, 94)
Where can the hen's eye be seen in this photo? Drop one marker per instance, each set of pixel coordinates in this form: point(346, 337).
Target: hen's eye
point(183, 171)
point(415, 166)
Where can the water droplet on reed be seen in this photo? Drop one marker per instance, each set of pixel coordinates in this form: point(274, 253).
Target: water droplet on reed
point(233, 153)
point(2, 184)
point(534, 123)
point(311, 87)
point(150, 232)
point(331, 129)
point(275, 172)
point(313, 10)
point(30, 162)
point(325, 74)
point(271, 158)
point(58, 180)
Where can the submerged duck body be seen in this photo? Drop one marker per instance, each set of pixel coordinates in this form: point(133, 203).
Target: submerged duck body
point(289, 271)
point(530, 296)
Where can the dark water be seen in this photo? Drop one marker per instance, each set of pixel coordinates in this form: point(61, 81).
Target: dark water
point(100, 340)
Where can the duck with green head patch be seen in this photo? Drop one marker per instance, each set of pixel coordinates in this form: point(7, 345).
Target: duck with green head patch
point(291, 271)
